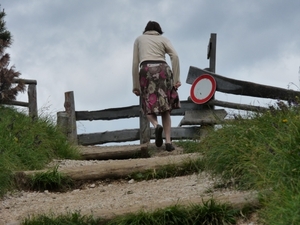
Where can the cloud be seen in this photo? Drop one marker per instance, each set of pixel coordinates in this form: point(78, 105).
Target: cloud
point(86, 46)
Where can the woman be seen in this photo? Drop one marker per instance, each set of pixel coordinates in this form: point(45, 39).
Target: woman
point(154, 80)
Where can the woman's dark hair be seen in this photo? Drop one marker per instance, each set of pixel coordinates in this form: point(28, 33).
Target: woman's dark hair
point(152, 25)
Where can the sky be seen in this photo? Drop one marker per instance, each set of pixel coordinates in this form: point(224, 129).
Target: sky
point(86, 47)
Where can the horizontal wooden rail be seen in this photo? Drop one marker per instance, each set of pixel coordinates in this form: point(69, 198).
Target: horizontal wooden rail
point(238, 106)
point(177, 133)
point(32, 98)
point(239, 87)
point(129, 112)
point(16, 103)
point(25, 81)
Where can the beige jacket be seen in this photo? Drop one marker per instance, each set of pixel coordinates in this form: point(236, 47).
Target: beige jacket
point(153, 46)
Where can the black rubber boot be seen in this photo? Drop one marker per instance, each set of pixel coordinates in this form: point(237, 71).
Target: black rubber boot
point(169, 147)
point(158, 135)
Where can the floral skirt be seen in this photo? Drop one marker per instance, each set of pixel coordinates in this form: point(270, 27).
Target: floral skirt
point(156, 82)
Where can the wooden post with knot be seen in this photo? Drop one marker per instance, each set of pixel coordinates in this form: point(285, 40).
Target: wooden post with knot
point(66, 120)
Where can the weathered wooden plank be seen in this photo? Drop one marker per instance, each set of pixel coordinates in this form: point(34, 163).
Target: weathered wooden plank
point(13, 102)
point(181, 133)
point(109, 114)
point(63, 122)
point(232, 105)
point(211, 55)
point(25, 81)
point(237, 200)
point(232, 86)
point(128, 112)
point(118, 169)
point(70, 109)
point(112, 152)
point(203, 117)
point(32, 101)
point(185, 105)
point(236, 106)
point(177, 133)
point(109, 136)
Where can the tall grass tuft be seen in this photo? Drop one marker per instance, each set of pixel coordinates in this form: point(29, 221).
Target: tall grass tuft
point(282, 207)
point(261, 152)
point(189, 146)
point(208, 213)
point(51, 180)
point(27, 144)
point(74, 218)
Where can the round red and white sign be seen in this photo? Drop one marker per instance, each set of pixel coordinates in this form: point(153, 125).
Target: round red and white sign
point(203, 89)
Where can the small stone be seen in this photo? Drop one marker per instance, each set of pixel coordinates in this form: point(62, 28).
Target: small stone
point(92, 185)
point(131, 181)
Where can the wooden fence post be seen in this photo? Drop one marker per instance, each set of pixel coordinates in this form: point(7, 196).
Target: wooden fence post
point(32, 102)
point(144, 127)
point(63, 122)
point(70, 110)
point(211, 54)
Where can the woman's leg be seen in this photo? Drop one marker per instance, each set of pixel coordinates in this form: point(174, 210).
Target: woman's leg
point(152, 118)
point(166, 122)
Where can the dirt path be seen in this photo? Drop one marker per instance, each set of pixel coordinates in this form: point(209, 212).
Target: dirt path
point(108, 198)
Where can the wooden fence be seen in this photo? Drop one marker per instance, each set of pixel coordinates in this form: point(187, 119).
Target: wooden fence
point(196, 117)
point(32, 97)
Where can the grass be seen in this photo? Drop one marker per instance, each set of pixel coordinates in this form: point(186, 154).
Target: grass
point(189, 146)
point(27, 144)
point(69, 219)
point(208, 213)
point(50, 180)
point(259, 152)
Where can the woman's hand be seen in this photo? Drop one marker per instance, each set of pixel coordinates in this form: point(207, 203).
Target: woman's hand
point(177, 85)
point(137, 92)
